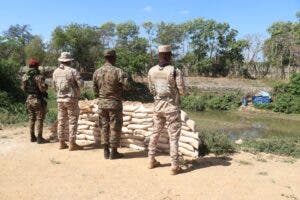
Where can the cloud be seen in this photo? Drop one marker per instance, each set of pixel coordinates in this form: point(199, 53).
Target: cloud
point(184, 12)
point(147, 9)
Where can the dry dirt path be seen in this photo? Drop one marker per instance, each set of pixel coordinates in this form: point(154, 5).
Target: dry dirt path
point(31, 171)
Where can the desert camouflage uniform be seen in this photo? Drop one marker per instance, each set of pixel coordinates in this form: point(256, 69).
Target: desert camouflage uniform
point(66, 82)
point(109, 82)
point(166, 84)
point(35, 103)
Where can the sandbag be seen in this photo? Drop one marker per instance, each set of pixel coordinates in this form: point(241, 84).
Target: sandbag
point(126, 130)
point(135, 137)
point(191, 141)
point(142, 132)
point(142, 109)
point(84, 142)
point(86, 132)
point(186, 152)
point(193, 135)
point(126, 118)
point(191, 124)
point(80, 137)
point(141, 120)
point(85, 122)
point(139, 126)
point(133, 146)
point(183, 116)
point(139, 115)
point(83, 127)
point(133, 141)
point(186, 128)
point(126, 123)
point(186, 146)
point(163, 146)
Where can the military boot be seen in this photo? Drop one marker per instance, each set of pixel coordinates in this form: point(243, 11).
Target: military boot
point(32, 137)
point(41, 140)
point(62, 144)
point(106, 151)
point(176, 170)
point(153, 163)
point(114, 154)
point(73, 146)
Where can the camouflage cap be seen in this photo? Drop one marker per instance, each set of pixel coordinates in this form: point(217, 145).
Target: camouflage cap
point(65, 57)
point(164, 48)
point(110, 53)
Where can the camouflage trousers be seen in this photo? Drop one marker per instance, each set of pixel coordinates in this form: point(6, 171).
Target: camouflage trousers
point(68, 113)
point(167, 114)
point(36, 110)
point(111, 121)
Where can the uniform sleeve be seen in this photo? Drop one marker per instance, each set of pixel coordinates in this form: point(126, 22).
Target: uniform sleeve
point(41, 83)
point(150, 84)
point(77, 78)
point(180, 83)
point(124, 80)
point(96, 87)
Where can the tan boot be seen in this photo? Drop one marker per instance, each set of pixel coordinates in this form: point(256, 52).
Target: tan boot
point(62, 145)
point(153, 163)
point(73, 146)
point(177, 170)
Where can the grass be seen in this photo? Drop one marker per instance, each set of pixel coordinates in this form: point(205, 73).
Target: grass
point(263, 173)
point(244, 162)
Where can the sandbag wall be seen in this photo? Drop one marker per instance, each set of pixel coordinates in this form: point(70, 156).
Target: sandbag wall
point(137, 128)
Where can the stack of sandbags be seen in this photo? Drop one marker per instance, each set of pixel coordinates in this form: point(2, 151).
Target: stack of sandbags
point(88, 130)
point(137, 128)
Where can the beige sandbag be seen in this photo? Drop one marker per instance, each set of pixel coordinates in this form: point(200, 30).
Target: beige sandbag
point(163, 146)
point(86, 132)
point(190, 134)
point(193, 154)
point(126, 123)
point(186, 128)
point(140, 115)
point(130, 108)
point(95, 110)
point(92, 137)
point(133, 146)
point(139, 126)
point(126, 118)
point(95, 128)
point(135, 137)
point(160, 140)
point(142, 132)
point(125, 113)
point(85, 122)
point(191, 124)
point(83, 127)
point(143, 109)
point(84, 142)
point(80, 137)
point(191, 141)
point(133, 141)
point(150, 129)
point(126, 130)
point(186, 146)
point(141, 120)
point(183, 116)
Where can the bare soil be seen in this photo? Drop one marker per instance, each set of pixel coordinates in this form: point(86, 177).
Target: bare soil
point(32, 171)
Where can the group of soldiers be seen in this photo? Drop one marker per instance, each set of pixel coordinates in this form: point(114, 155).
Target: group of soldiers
point(165, 83)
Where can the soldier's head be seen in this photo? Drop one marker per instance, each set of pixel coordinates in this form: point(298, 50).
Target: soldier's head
point(32, 63)
point(165, 53)
point(110, 56)
point(65, 58)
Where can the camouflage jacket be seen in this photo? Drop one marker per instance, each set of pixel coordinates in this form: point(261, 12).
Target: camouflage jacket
point(108, 84)
point(67, 83)
point(166, 83)
point(33, 83)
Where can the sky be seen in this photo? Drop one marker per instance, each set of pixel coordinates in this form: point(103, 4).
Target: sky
point(246, 16)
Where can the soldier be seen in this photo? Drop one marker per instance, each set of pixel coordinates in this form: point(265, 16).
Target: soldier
point(33, 83)
point(166, 84)
point(109, 82)
point(66, 82)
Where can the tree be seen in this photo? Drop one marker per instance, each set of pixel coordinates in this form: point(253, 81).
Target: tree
point(35, 49)
point(107, 33)
point(82, 41)
point(126, 33)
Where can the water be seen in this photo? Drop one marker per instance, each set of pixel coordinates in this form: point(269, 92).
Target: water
point(240, 124)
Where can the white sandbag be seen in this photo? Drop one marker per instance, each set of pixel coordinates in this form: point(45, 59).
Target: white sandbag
point(95, 110)
point(95, 128)
point(83, 127)
point(190, 134)
point(86, 132)
point(150, 129)
point(186, 146)
point(139, 126)
point(80, 137)
point(126, 130)
point(141, 120)
point(84, 142)
point(143, 109)
point(125, 113)
point(135, 137)
point(191, 124)
point(186, 152)
point(186, 128)
point(86, 122)
point(126, 118)
point(92, 137)
point(191, 141)
point(142, 132)
point(133, 146)
point(130, 108)
point(183, 116)
point(126, 123)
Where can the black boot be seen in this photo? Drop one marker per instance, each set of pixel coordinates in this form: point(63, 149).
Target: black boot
point(115, 154)
point(32, 137)
point(41, 140)
point(106, 151)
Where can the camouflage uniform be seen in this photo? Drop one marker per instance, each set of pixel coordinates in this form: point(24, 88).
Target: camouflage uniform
point(33, 83)
point(66, 82)
point(109, 82)
point(166, 84)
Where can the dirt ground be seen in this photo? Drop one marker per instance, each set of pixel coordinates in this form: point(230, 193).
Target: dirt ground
point(31, 171)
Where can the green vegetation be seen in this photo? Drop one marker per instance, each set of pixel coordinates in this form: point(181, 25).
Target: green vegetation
point(211, 101)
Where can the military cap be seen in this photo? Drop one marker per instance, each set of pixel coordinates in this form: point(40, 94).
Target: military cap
point(164, 48)
point(33, 63)
point(110, 53)
point(65, 57)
